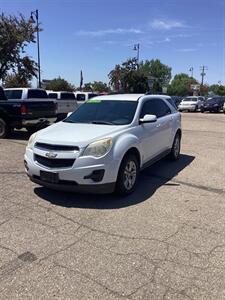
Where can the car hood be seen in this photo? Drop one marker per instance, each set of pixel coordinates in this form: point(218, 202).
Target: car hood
point(77, 134)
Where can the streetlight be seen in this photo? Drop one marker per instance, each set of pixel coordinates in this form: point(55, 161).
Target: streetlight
point(32, 15)
point(137, 48)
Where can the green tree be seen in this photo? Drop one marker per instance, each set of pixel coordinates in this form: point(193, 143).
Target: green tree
point(60, 84)
point(15, 80)
point(15, 35)
point(217, 89)
point(99, 86)
point(128, 78)
point(160, 73)
point(87, 87)
point(131, 77)
point(181, 85)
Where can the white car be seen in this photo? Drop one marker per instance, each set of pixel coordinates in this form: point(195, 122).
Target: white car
point(192, 103)
point(66, 103)
point(102, 146)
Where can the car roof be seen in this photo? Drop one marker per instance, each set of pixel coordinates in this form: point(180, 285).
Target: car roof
point(129, 97)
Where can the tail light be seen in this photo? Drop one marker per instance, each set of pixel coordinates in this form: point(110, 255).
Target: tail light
point(23, 109)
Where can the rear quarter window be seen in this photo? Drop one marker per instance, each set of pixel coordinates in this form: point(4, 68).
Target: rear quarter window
point(13, 94)
point(37, 94)
point(67, 96)
point(52, 95)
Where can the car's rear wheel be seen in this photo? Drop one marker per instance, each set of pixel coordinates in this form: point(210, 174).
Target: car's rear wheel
point(4, 129)
point(175, 150)
point(128, 175)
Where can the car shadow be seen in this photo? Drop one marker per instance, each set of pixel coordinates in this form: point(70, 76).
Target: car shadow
point(150, 180)
point(19, 135)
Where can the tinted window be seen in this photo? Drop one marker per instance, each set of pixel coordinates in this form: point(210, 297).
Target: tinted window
point(110, 112)
point(155, 107)
point(80, 97)
point(66, 96)
point(91, 96)
point(52, 95)
point(172, 102)
point(13, 94)
point(37, 94)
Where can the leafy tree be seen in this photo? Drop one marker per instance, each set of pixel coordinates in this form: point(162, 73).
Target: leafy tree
point(217, 89)
point(181, 85)
point(133, 78)
point(99, 86)
point(160, 73)
point(15, 80)
point(60, 84)
point(15, 34)
point(87, 87)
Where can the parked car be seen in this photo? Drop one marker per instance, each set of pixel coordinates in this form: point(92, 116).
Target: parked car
point(81, 97)
point(103, 145)
point(213, 104)
point(191, 103)
point(224, 107)
point(66, 103)
point(25, 108)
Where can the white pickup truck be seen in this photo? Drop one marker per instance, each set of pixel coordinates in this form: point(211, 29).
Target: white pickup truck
point(81, 97)
point(66, 103)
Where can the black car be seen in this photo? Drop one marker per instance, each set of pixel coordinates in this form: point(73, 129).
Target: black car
point(214, 104)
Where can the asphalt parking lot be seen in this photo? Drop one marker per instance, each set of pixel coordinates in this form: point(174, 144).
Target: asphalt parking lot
point(166, 241)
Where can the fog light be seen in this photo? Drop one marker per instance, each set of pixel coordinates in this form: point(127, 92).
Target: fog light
point(96, 175)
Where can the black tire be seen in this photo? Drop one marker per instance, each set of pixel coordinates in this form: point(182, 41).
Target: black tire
point(175, 150)
point(4, 129)
point(202, 110)
point(126, 183)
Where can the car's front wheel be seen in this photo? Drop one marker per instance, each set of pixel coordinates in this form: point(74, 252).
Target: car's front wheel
point(128, 175)
point(175, 151)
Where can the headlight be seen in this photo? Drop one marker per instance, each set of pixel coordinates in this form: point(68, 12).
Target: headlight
point(99, 148)
point(31, 141)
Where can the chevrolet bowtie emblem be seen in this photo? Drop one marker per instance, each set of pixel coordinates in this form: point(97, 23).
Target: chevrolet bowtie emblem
point(51, 155)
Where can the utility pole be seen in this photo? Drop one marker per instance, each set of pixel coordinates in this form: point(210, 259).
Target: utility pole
point(203, 69)
point(191, 70)
point(35, 14)
point(137, 48)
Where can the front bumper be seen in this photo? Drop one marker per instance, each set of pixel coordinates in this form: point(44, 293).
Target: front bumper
point(105, 188)
point(79, 177)
point(187, 107)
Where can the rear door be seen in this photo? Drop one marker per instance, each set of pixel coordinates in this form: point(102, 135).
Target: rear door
point(156, 137)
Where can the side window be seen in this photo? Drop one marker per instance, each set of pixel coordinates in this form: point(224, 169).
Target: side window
point(80, 97)
point(155, 107)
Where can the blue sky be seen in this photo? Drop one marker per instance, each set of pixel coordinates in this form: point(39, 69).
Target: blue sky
point(94, 35)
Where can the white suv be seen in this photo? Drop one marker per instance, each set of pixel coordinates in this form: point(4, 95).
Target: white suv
point(192, 103)
point(102, 146)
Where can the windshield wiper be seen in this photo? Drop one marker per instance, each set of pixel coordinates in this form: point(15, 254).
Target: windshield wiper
point(69, 121)
point(102, 122)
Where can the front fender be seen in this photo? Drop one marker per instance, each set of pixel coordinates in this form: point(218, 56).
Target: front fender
point(123, 144)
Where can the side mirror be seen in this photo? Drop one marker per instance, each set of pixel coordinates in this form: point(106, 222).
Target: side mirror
point(70, 113)
point(148, 119)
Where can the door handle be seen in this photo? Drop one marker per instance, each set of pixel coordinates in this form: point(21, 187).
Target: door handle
point(158, 125)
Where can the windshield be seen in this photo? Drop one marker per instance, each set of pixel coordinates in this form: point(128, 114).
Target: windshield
point(190, 99)
point(109, 112)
